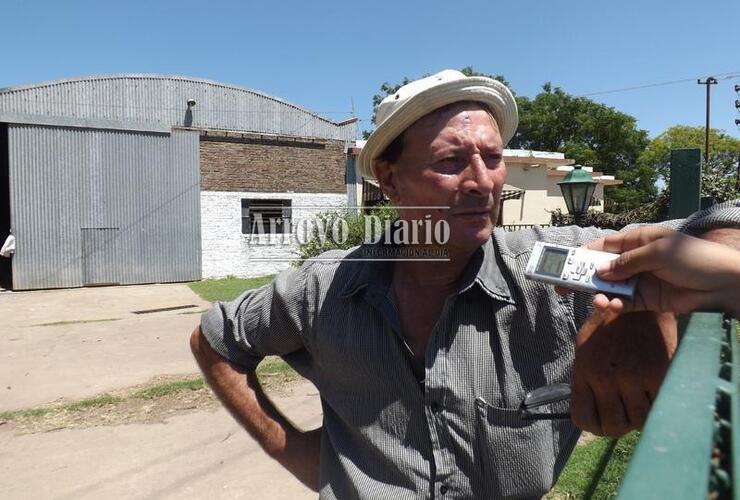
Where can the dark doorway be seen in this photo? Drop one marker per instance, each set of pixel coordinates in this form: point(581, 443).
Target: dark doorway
point(6, 269)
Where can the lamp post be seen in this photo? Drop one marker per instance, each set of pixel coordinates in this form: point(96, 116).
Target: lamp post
point(578, 189)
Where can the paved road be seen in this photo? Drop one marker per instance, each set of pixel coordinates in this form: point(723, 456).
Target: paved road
point(198, 454)
point(80, 356)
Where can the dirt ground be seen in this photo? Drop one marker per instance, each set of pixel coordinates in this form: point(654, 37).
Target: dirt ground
point(64, 345)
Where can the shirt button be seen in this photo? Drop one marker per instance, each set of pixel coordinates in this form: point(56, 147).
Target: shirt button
point(435, 407)
point(443, 489)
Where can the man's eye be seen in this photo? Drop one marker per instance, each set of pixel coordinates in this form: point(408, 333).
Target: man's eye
point(493, 159)
point(452, 163)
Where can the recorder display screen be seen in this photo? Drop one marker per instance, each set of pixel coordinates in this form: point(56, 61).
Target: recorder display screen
point(552, 262)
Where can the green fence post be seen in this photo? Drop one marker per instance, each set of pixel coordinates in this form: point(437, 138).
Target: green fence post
point(674, 458)
point(685, 182)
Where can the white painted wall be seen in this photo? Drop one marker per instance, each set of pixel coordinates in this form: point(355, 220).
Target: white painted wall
point(542, 195)
point(226, 251)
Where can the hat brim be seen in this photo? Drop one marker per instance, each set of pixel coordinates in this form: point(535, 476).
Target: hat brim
point(491, 93)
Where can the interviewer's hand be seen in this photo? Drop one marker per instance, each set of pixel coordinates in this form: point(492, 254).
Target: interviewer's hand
point(678, 273)
point(620, 362)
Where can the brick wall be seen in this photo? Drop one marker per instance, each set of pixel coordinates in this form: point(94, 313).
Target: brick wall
point(232, 161)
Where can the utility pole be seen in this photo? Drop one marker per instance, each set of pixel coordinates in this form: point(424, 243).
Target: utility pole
point(737, 123)
point(708, 82)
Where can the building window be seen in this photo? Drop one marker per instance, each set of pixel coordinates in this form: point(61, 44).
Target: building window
point(261, 216)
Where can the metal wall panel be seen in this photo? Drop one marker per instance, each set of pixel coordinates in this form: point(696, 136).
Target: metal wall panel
point(100, 256)
point(65, 179)
point(163, 99)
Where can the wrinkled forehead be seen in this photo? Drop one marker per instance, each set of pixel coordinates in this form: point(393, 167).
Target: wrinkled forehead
point(432, 123)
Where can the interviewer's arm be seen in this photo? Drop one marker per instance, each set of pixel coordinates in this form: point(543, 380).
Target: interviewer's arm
point(241, 393)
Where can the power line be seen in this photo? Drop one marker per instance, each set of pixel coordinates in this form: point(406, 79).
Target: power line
point(721, 76)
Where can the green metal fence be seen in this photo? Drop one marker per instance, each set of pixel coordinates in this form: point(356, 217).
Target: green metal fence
point(689, 446)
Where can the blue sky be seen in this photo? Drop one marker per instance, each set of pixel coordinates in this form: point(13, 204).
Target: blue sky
point(329, 55)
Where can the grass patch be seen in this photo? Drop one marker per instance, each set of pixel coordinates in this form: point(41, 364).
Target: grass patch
point(96, 402)
point(272, 372)
point(6, 416)
point(275, 367)
point(227, 288)
point(42, 411)
point(170, 388)
point(595, 469)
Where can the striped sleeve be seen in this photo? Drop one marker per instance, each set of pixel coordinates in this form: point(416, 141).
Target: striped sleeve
point(265, 321)
point(722, 215)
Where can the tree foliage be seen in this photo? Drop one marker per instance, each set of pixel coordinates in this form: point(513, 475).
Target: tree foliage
point(724, 150)
point(712, 186)
point(590, 133)
point(387, 89)
point(608, 140)
point(320, 240)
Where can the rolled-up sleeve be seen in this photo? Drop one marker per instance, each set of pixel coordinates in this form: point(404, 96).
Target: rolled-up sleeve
point(270, 320)
point(721, 215)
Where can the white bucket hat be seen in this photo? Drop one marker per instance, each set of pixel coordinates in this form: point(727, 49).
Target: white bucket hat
point(399, 111)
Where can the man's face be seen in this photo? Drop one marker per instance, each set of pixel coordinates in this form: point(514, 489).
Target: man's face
point(452, 157)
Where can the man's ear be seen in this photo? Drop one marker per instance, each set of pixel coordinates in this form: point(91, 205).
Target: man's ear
point(385, 172)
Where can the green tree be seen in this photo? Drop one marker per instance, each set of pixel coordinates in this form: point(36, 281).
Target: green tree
point(724, 151)
point(387, 89)
point(591, 133)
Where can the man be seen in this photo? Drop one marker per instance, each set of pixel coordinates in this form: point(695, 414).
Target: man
point(8, 248)
point(421, 365)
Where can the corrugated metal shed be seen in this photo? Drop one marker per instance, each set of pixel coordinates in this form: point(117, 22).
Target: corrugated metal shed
point(104, 172)
point(162, 99)
point(103, 206)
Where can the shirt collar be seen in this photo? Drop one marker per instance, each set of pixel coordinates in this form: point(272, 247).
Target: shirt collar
point(369, 273)
point(483, 269)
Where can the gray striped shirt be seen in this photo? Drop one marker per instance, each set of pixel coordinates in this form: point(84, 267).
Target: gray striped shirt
point(458, 435)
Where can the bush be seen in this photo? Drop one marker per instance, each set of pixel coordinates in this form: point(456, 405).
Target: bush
point(320, 240)
point(719, 188)
point(650, 212)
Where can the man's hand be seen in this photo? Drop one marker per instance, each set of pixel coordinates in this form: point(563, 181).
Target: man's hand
point(241, 393)
point(619, 365)
point(301, 456)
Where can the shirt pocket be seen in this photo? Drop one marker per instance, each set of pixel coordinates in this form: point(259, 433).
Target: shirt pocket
point(517, 456)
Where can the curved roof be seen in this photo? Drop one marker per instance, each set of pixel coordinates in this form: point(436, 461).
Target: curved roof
point(162, 99)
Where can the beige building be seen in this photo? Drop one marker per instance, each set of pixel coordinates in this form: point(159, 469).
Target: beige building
point(531, 191)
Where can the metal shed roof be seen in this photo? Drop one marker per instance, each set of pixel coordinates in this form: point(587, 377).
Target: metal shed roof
point(162, 100)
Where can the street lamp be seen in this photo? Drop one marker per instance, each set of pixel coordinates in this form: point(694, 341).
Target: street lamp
point(578, 189)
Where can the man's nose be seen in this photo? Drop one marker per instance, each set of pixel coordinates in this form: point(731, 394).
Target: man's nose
point(477, 179)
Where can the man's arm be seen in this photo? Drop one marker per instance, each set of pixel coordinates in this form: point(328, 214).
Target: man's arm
point(617, 364)
point(241, 393)
point(620, 363)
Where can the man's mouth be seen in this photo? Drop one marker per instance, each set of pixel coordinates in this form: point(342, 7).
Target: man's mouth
point(473, 213)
